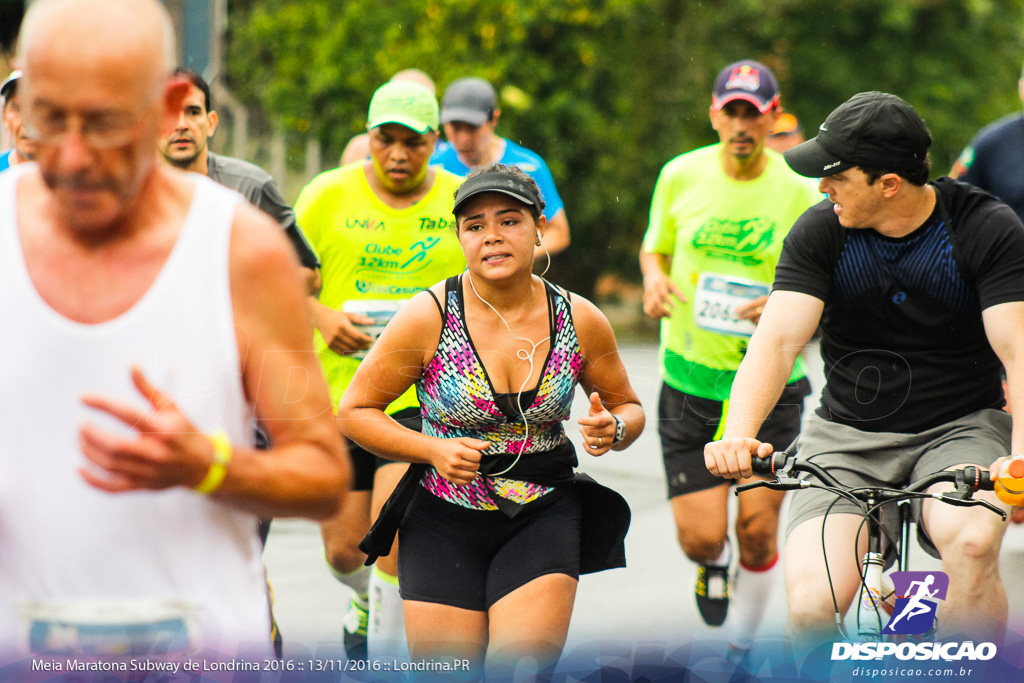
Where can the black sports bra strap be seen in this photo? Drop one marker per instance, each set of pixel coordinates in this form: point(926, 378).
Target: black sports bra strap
point(551, 312)
point(436, 303)
point(452, 284)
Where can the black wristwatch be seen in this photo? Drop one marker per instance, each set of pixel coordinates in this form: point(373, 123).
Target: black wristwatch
point(620, 429)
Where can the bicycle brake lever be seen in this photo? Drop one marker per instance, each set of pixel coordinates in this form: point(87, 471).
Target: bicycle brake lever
point(753, 485)
point(990, 506)
point(971, 502)
point(778, 484)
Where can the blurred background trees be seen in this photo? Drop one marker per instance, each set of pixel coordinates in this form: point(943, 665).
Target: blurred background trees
point(609, 90)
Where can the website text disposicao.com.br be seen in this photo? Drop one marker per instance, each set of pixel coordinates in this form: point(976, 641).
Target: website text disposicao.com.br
point(947, 658)
point(911, 672)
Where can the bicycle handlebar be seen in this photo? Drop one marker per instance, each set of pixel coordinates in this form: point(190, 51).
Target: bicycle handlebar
point(783, 466)
point(781, 462)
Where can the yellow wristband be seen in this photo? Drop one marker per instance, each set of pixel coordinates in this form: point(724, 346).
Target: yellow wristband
point(219, 467)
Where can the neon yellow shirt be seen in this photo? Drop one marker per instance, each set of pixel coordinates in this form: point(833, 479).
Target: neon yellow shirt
point(369, 250)
point(724, 237)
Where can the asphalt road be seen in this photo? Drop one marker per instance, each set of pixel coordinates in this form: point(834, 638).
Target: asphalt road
point(647, 604)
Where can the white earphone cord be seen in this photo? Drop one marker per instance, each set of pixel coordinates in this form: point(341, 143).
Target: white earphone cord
point(520, 356)
point(546, 254)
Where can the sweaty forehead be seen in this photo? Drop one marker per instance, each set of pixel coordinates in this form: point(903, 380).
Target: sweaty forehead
point(194, 98)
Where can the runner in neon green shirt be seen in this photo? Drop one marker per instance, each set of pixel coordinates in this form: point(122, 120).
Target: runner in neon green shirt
point(718, 219)
point(371, 251)
point(724, 237)
point(383, 231)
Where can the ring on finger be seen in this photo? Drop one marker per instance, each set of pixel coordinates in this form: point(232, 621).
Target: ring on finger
point(600, 441)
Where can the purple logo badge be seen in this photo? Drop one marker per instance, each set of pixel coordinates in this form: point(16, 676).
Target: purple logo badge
point(917, 596)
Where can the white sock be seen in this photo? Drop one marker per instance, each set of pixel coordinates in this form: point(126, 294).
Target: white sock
point(358, 580)
point(751, 592)
point(725, 557)
point(385, 635)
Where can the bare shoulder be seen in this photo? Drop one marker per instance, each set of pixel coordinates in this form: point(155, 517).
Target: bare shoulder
point(410, 339)
point(588, 317)
point(258, 245)
point(419, 319)
point(595, 334)
point(268, 290)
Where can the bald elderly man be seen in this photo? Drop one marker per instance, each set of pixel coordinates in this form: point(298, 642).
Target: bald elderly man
point(149, 315)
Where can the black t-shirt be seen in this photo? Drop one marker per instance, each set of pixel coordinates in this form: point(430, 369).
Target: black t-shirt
point(260, 189)
point(902, 335)
point(994, 161)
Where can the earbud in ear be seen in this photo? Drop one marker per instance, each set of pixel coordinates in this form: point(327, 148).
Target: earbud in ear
point(538, 238)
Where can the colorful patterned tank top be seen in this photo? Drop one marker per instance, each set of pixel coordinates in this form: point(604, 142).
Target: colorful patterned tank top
point(458, 399)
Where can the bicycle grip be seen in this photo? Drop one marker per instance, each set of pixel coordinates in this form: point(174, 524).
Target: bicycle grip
point(766, 467)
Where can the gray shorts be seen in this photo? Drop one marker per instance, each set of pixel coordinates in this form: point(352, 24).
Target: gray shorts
point(893, 459)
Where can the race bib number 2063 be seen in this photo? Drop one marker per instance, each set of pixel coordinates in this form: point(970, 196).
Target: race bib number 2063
point(718, 299)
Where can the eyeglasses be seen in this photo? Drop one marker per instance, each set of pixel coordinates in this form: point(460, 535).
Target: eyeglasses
point(101, 130)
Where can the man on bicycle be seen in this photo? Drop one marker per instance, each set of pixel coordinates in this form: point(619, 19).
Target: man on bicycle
point(919, 290)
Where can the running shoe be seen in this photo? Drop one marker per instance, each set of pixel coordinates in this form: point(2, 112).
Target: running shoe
point(354, 633)
point(712, 593)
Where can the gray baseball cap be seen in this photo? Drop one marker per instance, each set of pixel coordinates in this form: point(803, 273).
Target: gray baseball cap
point(471, 100)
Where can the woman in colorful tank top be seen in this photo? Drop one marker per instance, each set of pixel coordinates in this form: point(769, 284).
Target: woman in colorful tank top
point(494, 524)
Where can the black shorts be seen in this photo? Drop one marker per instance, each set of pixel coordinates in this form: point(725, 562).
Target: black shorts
point(365, 463)
point(466, 558)
point(686, 423)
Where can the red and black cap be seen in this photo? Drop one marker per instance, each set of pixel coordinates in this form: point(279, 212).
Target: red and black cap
point(747, 80)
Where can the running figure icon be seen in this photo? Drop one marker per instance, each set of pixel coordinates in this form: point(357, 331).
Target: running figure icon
point(915, 610)
point(914, 606)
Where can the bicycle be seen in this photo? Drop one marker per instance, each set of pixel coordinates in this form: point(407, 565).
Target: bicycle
point(876, 598)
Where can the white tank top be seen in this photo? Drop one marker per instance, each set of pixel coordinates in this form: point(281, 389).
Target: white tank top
point(72, 553)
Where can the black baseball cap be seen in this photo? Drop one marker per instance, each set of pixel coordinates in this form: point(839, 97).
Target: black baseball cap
point(497, 181)
point(747, 80)
point(873, 129)
point(471, 100)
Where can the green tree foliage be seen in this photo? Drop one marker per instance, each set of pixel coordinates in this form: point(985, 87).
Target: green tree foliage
point(607, 91)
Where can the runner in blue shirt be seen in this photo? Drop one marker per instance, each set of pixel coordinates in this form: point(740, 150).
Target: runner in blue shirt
point(469, 112)
point(24, 149)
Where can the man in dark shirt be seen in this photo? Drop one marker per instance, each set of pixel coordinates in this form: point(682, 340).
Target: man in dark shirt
point(919, 289)
point(187, 148)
